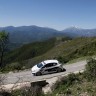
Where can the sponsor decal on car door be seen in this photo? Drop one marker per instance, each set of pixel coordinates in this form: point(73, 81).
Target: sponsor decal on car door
point(49, 68)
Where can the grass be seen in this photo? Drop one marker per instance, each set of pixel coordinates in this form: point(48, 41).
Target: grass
point(81, 59)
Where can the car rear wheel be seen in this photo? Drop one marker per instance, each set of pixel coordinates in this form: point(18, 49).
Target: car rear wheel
point(59, 70)
point(64, 69)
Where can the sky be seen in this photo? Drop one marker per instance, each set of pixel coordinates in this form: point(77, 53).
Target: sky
point(58, 14)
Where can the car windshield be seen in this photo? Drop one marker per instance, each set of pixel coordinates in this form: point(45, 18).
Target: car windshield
point(39, 65)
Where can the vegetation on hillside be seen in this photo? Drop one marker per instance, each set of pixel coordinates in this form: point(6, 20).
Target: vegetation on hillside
point(78, 48)
point(3, 42)
point(67, 50)
point(29, 51)
point(90, 72)
point(61, 48)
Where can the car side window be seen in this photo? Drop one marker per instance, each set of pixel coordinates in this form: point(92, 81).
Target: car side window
point(54, 64)
point(47, 65)
point(50, 65)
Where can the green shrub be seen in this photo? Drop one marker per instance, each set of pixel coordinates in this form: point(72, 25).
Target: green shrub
point(90, 71)
point(66, 81)
point(28, 91)
point(63, 59)
point(12, 67)
point(4, 93)
point(71, 79)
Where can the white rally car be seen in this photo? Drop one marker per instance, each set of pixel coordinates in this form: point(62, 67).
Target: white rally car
point(47, 66)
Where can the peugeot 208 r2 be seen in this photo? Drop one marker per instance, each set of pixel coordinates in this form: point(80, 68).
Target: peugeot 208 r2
point(47, 66)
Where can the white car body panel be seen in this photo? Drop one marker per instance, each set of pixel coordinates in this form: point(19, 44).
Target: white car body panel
point(35, 69)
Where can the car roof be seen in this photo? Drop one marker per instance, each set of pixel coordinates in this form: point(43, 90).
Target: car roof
point(50, 61)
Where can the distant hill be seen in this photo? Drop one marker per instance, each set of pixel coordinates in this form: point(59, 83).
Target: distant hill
point(27, 34)
point(78, 32)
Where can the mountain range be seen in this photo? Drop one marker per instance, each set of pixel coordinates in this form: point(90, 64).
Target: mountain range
point(79, 32)
point(27, 34)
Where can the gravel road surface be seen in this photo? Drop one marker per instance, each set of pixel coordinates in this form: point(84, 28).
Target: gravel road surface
point(26, 76)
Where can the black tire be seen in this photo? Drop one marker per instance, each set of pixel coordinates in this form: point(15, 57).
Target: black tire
point(38, 74)
point(59, 70)
point(63, 70)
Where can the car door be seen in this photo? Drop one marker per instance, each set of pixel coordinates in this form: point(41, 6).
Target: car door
point(49, 68)
point(44, 69)
point(52, 67)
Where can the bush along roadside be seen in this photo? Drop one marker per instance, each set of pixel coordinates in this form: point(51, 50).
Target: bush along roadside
point(81, 84)
point(90, 70)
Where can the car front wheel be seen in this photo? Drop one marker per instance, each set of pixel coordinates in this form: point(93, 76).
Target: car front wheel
point(38, 74)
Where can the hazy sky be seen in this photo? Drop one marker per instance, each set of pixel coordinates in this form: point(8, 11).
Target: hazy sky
point(58, 14)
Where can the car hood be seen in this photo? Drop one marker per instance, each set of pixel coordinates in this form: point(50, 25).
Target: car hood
point(35, 69)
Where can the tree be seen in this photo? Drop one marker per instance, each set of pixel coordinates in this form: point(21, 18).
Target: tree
point(3, 45)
